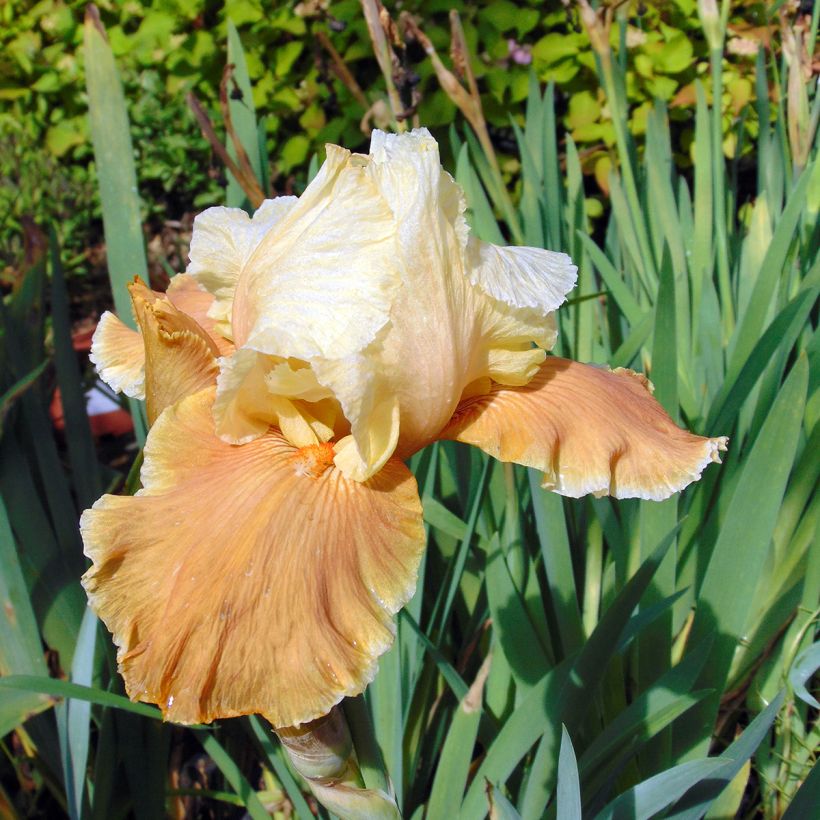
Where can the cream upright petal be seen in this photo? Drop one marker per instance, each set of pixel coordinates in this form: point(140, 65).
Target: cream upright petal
point(222, 242)
point(590, 430)
point(372, 281)
point(451, 323)
point(253, 579)
point(317, 291)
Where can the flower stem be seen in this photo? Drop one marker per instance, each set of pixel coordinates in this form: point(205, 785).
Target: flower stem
point(322, 752)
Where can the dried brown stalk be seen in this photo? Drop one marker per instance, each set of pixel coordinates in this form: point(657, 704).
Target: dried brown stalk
point(241, 154)
point(340, 69)
point(248, 182)
point(468, 102)
point(382, 31)
point(801, 127)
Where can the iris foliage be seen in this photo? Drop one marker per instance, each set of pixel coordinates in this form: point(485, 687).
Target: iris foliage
point(569, 658)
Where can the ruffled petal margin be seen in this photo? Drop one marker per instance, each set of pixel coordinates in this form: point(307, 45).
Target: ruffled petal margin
point(186, 294)
point(118, 354)
point(589, 429)
point(180, 357)
point(253, 579)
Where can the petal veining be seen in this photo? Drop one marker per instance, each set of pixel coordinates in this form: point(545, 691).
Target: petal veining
point(252, 579)
point(589, 429)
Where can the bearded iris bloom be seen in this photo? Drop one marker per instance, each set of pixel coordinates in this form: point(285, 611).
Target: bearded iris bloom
point(306, 352)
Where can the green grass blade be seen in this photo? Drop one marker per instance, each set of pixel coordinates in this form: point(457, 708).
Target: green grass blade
point(81, 452)
point(657, 518)
point(273, 752)
point(781, 332)
point(144, 747)
point(530, 203)
point(553, 187)
point(646, 617)
point(651, 797)
point(633, 728)
point(461, 558)
point(726, 596)
point(613, 281)
point(534, 124)
point(561, 695)
point(243, 117)
point(74, 718)
point(114, 160)
point(479, 211)
point(807, 799)
point(17, 389)
point(696, 801)
point(448, 671)
point(21, 650)
point(771, 270)
point(20, 646)
point(626, 353)
point(805, 667)
point(63, 689)
point(453, 768)
point(555, 551)
point(56, 597)
point(384, 696)
point(516, 635)
point(495, 186)
point(568, 790)
point(518, 734)
point(702, 243)
point(500, 808)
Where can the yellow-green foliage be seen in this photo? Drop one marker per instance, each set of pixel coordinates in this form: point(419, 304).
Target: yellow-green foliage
point(167, 47)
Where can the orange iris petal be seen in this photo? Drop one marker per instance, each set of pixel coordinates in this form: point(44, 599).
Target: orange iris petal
point(180, 358)
point(185, 294)
point(589, 429)
point(252, 579)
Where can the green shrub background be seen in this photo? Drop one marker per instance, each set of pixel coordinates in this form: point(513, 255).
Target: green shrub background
point(168, 47)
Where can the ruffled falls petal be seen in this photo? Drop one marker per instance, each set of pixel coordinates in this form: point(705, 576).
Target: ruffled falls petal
point(118, 354)
point(590, 430)
point(180, 358)
point(253, 579)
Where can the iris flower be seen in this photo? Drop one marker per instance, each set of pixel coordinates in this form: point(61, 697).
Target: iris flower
point(304, 355)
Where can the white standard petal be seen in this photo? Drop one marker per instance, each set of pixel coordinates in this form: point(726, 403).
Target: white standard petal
point(323, 283)
point(521, 277)
point(223, 240)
